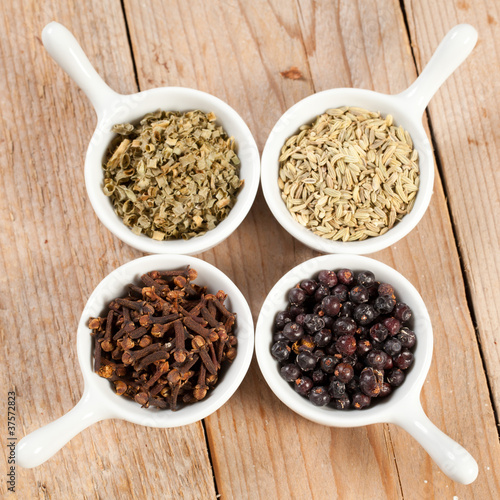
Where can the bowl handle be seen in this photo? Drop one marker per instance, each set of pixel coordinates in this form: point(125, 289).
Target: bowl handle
point(37, 447)
point(454, 460)
point(451, 53)
point(66, 51)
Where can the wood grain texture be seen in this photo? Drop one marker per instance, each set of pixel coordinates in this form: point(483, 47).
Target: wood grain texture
point(258, 447)
point(54, 252)
point(465, 121)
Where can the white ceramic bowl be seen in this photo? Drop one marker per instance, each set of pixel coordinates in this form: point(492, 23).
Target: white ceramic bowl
point(113, 108)
point(99, 402)
point(403, 406)
point(407, 109)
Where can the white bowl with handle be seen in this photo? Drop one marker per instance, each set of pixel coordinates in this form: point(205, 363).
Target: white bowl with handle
point(113, 108)
point(99, 401)
point(406, 108)
point(402, 407)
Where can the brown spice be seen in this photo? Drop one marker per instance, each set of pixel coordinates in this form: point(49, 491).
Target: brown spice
point(165, 341)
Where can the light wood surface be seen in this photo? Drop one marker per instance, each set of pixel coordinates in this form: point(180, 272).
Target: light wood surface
point(54, 250)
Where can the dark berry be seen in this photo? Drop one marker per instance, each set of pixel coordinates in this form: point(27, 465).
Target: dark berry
point(363, 347)
point(330, 305)
point(406, 337)
point(402, 312)
point(306, 361)
point(328, 363)
point(373, 289)
point(378, 332)
point(393, 325)
point(385, 289)
point(359, 294)
point(384, 304)
point(346, 344)
point(395, 377)
point(295, 311)
point(281, 319)
point(290, 372)
point(344, 372)
point(347, 309)
point(341, 340)
point(323, 337)
point(389, 363)
point(403, 360)
point(297, 296)
point(319, 396)
point(303, 385)
point(385, 390)
point(345, 276)
point(376, 359)
point(280, 350)
point(313, 323)
point(278, 336)
point(319, 353)
point(344, 326)
point(321, 292)
point(318, 377)
point(364, 314)
point(293, 331)
point(340, 291)
point(309, 286)
point(336, 388)
point(392, 347)
point(342, 403)
point(328, 322)
point(299, 319)
point(370, 382)
point(365, 278)
point(360, 400)
point(328, 278)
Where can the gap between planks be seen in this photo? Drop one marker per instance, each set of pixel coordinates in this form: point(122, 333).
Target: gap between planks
point(446, 190)
point(129, 41)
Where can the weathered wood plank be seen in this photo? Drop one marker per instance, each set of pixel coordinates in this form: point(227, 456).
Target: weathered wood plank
point(54, 251)
point(456, 377)
point(235, 50)
point(466, 123)
point(254, 439)
point(372, 51)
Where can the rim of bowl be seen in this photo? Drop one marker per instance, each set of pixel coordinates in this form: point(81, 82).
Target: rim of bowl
point(385, 409)
point(112, 285)
point(135, 106)
point(312, 106)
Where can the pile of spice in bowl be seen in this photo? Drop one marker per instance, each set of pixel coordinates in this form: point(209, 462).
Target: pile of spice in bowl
point(343, 339)
point(164, 342)
point(174, 175)
point(349, 175)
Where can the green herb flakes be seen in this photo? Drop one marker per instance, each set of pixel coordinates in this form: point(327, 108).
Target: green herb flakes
point(175, 175)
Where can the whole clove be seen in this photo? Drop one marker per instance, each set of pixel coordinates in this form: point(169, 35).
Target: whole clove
point(164, 343)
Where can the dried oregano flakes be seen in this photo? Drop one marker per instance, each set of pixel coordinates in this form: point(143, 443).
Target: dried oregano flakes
point(350, 175)
point(174, 175)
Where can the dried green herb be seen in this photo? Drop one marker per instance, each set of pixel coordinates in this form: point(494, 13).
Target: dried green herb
point(175, 175)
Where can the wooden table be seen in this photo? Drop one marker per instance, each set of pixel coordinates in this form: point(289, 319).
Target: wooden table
point(54, 250)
